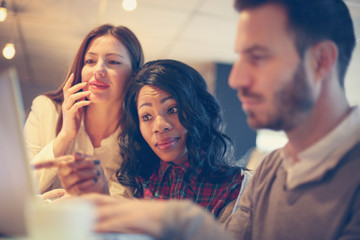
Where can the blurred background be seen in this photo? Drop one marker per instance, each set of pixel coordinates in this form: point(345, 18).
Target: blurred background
point(47, 33)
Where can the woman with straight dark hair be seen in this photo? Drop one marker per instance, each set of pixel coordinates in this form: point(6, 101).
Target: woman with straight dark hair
point(172, 144)
point(85, 115)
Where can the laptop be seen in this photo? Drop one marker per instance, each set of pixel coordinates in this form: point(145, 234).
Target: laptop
point(17, 185)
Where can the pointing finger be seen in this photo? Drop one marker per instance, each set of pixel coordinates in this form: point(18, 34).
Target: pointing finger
point(53, 162)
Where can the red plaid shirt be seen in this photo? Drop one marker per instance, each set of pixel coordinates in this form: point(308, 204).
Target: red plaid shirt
point(181, 182)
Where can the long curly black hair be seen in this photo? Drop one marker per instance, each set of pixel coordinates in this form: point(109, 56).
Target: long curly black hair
point(208, 147)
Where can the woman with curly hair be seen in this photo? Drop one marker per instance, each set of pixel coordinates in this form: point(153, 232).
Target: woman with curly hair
point(172, 142)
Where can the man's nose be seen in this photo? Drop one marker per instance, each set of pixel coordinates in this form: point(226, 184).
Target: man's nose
point(239, 76)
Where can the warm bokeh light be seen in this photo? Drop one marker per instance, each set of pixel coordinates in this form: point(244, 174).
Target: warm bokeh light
point(129, 5)
point(3, 14)
point(9, 51)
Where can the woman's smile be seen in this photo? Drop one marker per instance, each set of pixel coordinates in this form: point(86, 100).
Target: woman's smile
point(167, 143)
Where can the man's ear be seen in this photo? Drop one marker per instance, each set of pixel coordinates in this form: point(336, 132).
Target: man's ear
point(324, 57)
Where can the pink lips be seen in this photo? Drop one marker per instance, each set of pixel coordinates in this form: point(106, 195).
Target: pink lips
point(95, 84)
point(166, 143)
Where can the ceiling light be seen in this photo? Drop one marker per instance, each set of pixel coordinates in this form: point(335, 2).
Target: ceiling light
point(9, 51)
point(3, 11)
point(129, 5)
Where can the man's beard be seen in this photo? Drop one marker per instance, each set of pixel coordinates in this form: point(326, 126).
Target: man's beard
point(292, 102)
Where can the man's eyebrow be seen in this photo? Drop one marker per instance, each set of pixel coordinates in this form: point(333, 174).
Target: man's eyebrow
point(256, 48)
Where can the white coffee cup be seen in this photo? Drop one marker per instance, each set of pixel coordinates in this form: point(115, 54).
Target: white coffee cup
point(60, 220)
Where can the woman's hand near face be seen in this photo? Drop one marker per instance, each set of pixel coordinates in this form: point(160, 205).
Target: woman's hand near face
point(72, 110)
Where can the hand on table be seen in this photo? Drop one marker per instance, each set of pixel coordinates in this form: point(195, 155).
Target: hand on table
point(55, 194)
point(128, 216)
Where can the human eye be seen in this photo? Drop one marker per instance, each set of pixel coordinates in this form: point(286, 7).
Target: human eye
point(257, 57)
point(114, 62)
point(146, 117)
point(89, 61)
point(173, 110)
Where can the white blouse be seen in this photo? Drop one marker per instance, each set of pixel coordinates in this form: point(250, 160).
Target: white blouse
point(40, 132)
